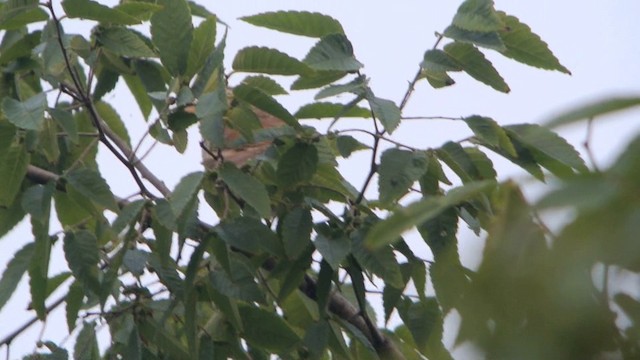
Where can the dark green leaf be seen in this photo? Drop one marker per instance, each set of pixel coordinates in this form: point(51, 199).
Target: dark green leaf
point(16, 14)
point(249, 235)
point(36, 200)
point(297, 165)
point(490, 132)
point(247, 188)
point(86, 347)
point(139, 93)
point(74, 299)
point(124, 42)
point(424, 320)
point(265, 103)
point(39, 267)
point(66, 121)
point(380, 261)
point(526, 47)
point(210, 110)
point(14, 271)
point(438, 61)
point(478, 15)
point(185, 192)
point(135, 261)
point(334, 248)
point(267, 61)
point(316, 79)
point(593, 110)
point(10, 216)
point(128, 214)
point(438, 79)
point(106, 82)
point(489, 40)
point(325, 110)
point(89, 183)
point(112, 118)
point(237, 285)
point(398, 170)
point(455, 156)
point(476, 65)
point(348, 144)
point(296, 232)
point(82, 254)
point(389, 230)
point(264, 84)
point(203, 44)
point(92, 10)
point(28, 114)
point(297, 22)
point(267, 330)
point(386, 111)
point(357, 86)
point(172, 33)
point(333, 52)
point(13, 167)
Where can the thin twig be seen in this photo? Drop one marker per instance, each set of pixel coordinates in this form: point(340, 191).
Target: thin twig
point(397, 143)
point(9, 338)
point(412, 83)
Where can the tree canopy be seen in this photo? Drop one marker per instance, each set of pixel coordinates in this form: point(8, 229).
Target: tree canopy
point(296, 254)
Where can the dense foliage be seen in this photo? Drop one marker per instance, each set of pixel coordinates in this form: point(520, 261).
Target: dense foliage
point(298, 251)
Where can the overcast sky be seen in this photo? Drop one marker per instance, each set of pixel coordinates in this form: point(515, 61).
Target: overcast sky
point(599, 41)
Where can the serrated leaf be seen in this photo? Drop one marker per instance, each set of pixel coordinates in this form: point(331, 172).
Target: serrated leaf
point(326, 110)
point(247, 188)
point(36, 200)
point(457, 159)
point(347, 144)
point(13, 167)
point(489, 131)
point(539, 139)
point(172, 33)
point(297, 165)
point(438, 79)
point(93, 10)
point(398, 170)
point(66, 121)
point(74, 298)
point(333, 52)
point(135, 260)
point(265, 103)
point(10, 216)
point(113, 120)
point(82, 254)
point(39, 267)
point(476, 65)
point(316, 79)
point(265, 84)
point(124, 42)
point(210, 110)
point(303, 23)
point(90, 184)
point(489, 40)
point(425, 322)
point(296, 232)
point(267, 330)
point(203, 44)
point(386, 111)
point(267, 61)
point(389, 230)
point(477, 15)
point(380, 261)
point(138, 9)
point(184, 193)
point(86, 346)
point(128, 214)
point(16, 14)
point(436, 60)
point(106, 82)
point(593, 110)
point(14, 272)
point(526, 47)
point(334, 248)
point(357, 86)
point(27, 114)
point(248, 234)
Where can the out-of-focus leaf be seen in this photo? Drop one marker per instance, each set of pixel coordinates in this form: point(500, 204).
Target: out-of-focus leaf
point(28, 114)
point(333, 52)
point(386, 111)
point(303, 23)
point(398, 170)
point(316, 79)
point(347, 145)
point(14, 271)
point(267, 61)
point(380, 261)
point(325, 110)
point(89, 183)
point(93, 10)
point(86, 347)
point(74, 298)
point(66, 121)
point(16, 14)
point(593, 110)
point(39, 267)
point(36, 200)
point(249, 234)
point(296, 231)
point(172, 33)
point(13, 167)
point(82, 254)
point(203, 44)
point(334, 248)
point(267, 330)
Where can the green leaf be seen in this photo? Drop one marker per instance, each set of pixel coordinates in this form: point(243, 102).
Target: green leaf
point(593, 109)
point(436, 60)
point(526, 47)
point(389, 230)
point(265, 329)
point(172, 33)
point(90, 184)
point(265, 84)
point(296, 231)
point(267, 61)
point(128, 214)
point(66, 121)
point(124, 42)
point(28, 114)
point(489, 131)
point(239, 284)
point(82, 254)
point(476, 65)
point(347, 144)
point(14, 271)
point(386, 111)
point(541, 140)
point(489, 40)
point(113, 120)
point(297, 165)
point(455, 156)
point(297, 22)
point(248, 234)
point(138, 9)
point(326, 110)
point(86, 346)
point(334, 247)
point(333, 52)
point(185, 192)
point(203, 44)
point(425, 322)
point(398, 170)
point(13, 167)
point(20, 48)
point(210, 110)
point(36, 200)
point(74, 299)
point(380, 261)
point(135, 260)
point(265, 103)
point(139, 93)
point(39, 267)
point(10, 216)
point(316, 79)
point(247, 188)
point(16, 14)
point(478, 15)
point(438, 79)
point(92, 10)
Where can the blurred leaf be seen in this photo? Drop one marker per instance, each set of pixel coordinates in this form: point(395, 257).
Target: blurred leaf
point(389, 230)
point(74, 298)
point(249, 234)
point(112, 118)
point(476, 65)
point(267, 61)
point(16, 14)
point(398, 170)
point(36, 200)
point(39, 267)
point(13, 167)
point(526, 47)
point(247, 188)
point(265, 329)
point(478, 15)
point(424, 320)
point(28, 114)
point(89, 183)
point(20, 48)
point(380, 261)
point(303, 23)
point(66, 121)
point(138, 9)
point(593, 110)
point(203, 44)
point(124, 42)
point(10, 216)
point(172, 34)
point(347, 145)
point(325, 110)
point(86, 346)
point(128, 214)
point(14, 271)
point(296, 232)
point(135, 261)
point(334, 248)
point(93, 10)
point(297, 165)
point(333, 52)
point(438, 79)
point(265, 84)
point(489, 40)
point(139, 93)
point(82, 254)
point(184, 193)
point(357, 86)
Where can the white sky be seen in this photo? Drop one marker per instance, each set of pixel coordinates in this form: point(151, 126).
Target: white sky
point(599, 41)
